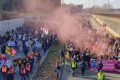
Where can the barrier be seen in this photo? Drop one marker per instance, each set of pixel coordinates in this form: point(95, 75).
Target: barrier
point(93, 63)
point(117, 67)
point(108, 65)
point(8, 25)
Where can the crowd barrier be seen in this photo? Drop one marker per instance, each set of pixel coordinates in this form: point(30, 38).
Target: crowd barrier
point(108, 65)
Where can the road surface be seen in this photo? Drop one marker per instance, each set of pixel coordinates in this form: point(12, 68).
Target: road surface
point(89, 75)
point(113, 23)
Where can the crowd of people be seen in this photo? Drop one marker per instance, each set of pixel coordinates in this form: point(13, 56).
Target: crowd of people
point(77, 55)
point(76, 58)
point(24, 40)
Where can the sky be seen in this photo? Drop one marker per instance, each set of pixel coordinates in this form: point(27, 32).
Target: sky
point(89, 3)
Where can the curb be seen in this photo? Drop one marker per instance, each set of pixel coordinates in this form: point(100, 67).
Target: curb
point(40, 64)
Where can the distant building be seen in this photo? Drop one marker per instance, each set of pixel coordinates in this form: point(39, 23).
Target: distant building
point(29, 6)
point(56, 3)
point(76, 8)
point(41, 5)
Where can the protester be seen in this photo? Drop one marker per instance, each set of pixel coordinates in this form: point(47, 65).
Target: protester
point(67, 56)
point(22, 72)
point(10, 76)
point(25, 50)
point(27, 66)
point(73, 66)
point(19, 62)
point(37, 55)
point(15, 64)
point(67, 60)
point(12, 70)
point(20, 45)
point(3, 48)
point(58, 70)
point(83, 67)
point(4, 70)
point(31, 63)
point(100, 75)
point(100, 66)
point(62, 55)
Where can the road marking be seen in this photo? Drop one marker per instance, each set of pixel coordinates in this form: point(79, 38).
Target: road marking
point(113, 19)
point(107, 27)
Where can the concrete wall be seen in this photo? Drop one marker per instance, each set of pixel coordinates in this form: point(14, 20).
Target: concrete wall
point(8, 25)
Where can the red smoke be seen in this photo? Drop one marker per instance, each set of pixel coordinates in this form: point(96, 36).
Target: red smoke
point(72, 27)
point(75, 28)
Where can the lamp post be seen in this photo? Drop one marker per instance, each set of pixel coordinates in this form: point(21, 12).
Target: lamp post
point(94, 5)
point(62, 1)
point(89, 3)
point(108, 4)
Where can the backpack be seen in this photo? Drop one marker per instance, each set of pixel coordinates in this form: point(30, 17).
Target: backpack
point(4, 69)
point(27, 67)
point(83, 65)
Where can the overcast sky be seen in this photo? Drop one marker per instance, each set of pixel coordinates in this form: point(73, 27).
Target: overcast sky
point(88, 3)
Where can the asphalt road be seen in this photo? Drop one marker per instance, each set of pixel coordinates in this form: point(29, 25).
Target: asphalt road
point(89, 75)
point(113, 23)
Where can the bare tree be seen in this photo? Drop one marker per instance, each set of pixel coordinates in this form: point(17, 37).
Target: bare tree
point(107, 6)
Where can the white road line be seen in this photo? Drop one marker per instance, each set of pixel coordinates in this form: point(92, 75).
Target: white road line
point(108, 18)
point(107, 27)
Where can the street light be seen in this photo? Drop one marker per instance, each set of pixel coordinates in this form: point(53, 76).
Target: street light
point(94, 5)
point(62, 1)
point(89, 3)
point(108, 4)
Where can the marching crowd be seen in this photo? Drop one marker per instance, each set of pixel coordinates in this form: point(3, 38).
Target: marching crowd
point(75, 58)
point(23, 40)
point(80, 59)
